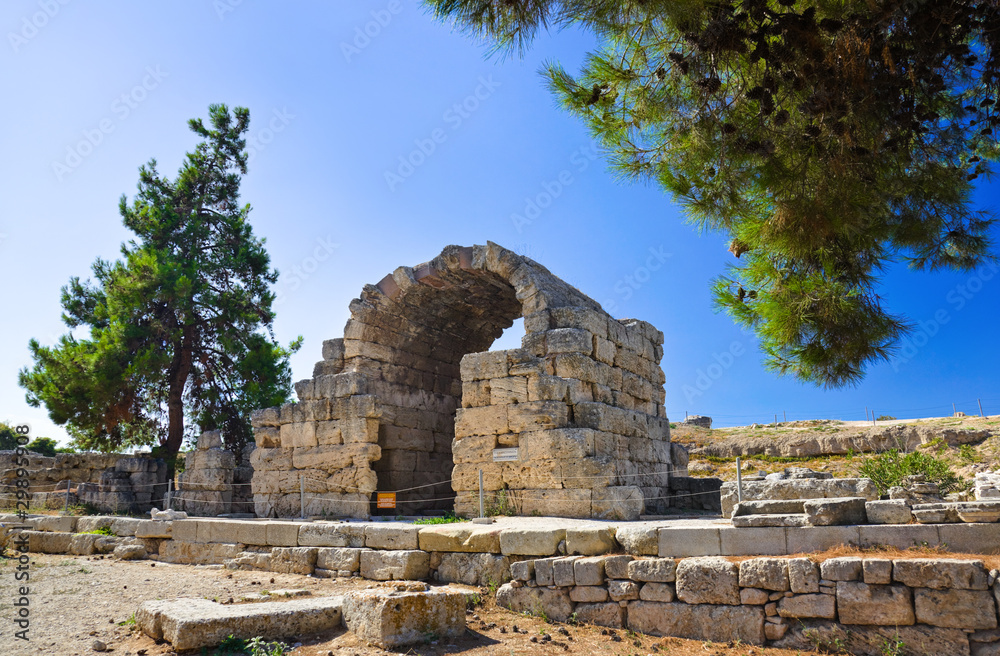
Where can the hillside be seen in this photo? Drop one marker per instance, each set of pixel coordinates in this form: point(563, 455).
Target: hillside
point(969, 444)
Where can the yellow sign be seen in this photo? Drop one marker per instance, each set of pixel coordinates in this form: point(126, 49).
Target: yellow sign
point(385, 500)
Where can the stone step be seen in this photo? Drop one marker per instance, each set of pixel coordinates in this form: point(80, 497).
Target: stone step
point(755, 521)
point(769, 507)
point(197, 623)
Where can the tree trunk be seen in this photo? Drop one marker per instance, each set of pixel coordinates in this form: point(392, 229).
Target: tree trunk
point(179, 370)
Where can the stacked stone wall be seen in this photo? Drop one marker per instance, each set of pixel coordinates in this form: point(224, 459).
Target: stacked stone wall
point(410, 401)
point(213, 481)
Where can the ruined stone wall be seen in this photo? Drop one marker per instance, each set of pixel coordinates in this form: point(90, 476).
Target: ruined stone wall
point(585, 392)
point(214, 481)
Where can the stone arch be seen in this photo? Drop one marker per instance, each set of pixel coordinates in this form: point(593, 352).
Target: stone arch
point(411, 400)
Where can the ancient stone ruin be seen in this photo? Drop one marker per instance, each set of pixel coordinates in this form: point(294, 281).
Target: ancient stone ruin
point(411, 401)
point(213, 482)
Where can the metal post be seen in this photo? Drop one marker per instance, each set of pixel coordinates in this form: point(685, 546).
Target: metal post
point(66, 508)
point(981, 408)
point(482, 512)
point(739, 481)
point(954, 410)
point(873, 416)
point(866, 413)
point(775, 419)
point(785, 414)
point(170, 492)
point(302, 496)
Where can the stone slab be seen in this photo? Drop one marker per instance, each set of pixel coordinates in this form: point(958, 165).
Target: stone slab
point(466, 538)
point(681, 542)
point(901, 537)
point(530, 541)
point(698, 622)
point(820, 538)
point(753, 541)
point(393, 619)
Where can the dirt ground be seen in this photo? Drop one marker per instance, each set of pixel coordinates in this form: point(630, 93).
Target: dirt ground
point(77, 599)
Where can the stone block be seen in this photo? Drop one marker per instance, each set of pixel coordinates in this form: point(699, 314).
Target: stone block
point(483, 569)
point(683, 542)
point(877, 571)
point(640, 540)
point(523, 570)
point(340, 559)
point(50, 543)
point(764, 573)
point(840, 569)
point(392, 619)
point(890, 511)
point(610, 614)
point(971, 538)
point(267, 437)
point(530, 541)
point(553, 603)
point(544, 572)
point(622, 503)
point(562, 572)
point(300, 434)
point(708, 580)
point(919, 640)
point(620, 590)
point(753, 541)
point(822, 606)
point(129, 552)
point(884, 605)
point(901, 537)
point(255, 533)
point(820, 538)
point(185, 530)
point(293, 560)
point(659, 570)
point(395, 565)
point(590, 541)
point(698, 622)
point(459, 538)
point(803, 576)
point(616, 567)
point(189, 624)
point(55, 523)
point(82, 544)
point(956, 609)
point(940, 573)
point(392, 537)
point(154, 529)
point(197, 553)
point(322, 534)
point(282, 534)
point(839, 511)
point(654, 591)
point(589, 594)
point(769, 507)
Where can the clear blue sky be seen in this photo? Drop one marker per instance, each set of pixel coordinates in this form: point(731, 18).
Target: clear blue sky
point(94, 90)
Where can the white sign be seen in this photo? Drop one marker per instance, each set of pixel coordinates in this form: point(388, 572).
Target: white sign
point(505, 455)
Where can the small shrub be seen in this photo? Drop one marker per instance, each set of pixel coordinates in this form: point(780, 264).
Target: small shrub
point(501, 503)
point(449, 518)
point(891, 467)
point(885, 418)
point(259, 647)
point(967, 454)
point(103, 530)
point(233, 645)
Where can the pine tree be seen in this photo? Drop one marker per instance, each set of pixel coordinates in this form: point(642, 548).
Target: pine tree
point(180, 327)
point(825, 139)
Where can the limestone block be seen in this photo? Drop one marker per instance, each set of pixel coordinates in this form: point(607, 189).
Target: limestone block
point(50, 543)
point(620, 590)
point(459, 538)
point(536, 416)
point(505, 391)
point(616, 567)
point(333, 457)
point(329, 433)
point(588, 594)
point(821, 606)
point(543, 571)
point(769, 541)
point(523, 570)
point(265, 417)
point(798, 489)
point(82, 544)
point(625, 503)
point(640, 540)
point(660, 570)
point(96, 522)
point(562, 572)
point(569, 340)
point(360, 430)
point(482, 569)
point(282, 534)
point(129, 552)
point(681, 542)
point(877, 571)
point(392, 619)
point(530, 541)
point(488, 420)
point(588, 571)
point(322, 534)
point(554, 603)
point(55, 523)
point(252, 533)
point(884, 605)
point(803, 575)
point(270, 460)
point(653, 591)
point(590, 541)
point(395, 565)
point(189, 624)
point(293, 560)
point(558, 444)
point(940, 573)
point(210, 440)
point(893, 511)
point(298, 435)
point(551, 502)
point(484, 366)
point(474, 449)
point(708, 580)
point(197, 553)
point(957, 609)
point(765, 573)
point(841, 569)
point(754, 596)
point(807, 635)
point(836, 511)
point(341, 559)
point(547, 388)
point(698, 622)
